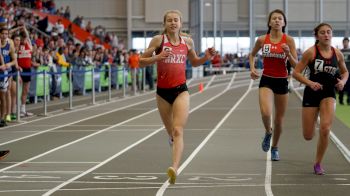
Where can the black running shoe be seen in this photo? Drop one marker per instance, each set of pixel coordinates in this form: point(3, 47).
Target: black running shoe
point(3, 153)
point(2, 123)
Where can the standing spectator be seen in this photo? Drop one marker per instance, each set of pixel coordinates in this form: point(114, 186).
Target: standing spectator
point(346, 53)
point(149, 77)
point(277, 47)
point(133, 61)
point(88, 27)
point(67, 12)
point(24, 60)
point(217, 60)
point(9, 60)
point(323, 60)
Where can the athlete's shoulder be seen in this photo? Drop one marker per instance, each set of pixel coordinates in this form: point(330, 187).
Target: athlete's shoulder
point(157, 38)
point(156, 41)
point(289, 38)
point(262, 37)
point(310, 53)
point(338, 53)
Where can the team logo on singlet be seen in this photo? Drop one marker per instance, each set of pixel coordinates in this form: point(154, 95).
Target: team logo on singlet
point(321, 66)
point(167, 49)
point(270, 51)
point(174, 58)
point(266, 48)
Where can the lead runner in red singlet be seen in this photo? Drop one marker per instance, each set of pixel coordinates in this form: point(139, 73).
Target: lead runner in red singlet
point(277, 47)
point(170, 51)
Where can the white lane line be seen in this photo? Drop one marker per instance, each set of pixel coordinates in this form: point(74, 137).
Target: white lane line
point(85, 107)
point(72, 123)
point(177, 187)
point(128, 148)
point(210, 81)
point(76, 141)
point(342, 148)
point(268, 189)
point(84, 119)
point(42, 172)
point(161, 191)
point(52, 162)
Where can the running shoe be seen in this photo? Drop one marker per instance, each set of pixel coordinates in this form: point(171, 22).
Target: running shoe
point(172, 175)
point(13, 116)
point(266, 142)
point(3, 153)
point(26, 114)
point(2, 123)
point(318, 169)
point(8, 118)
point(274, 154)
point(171, 141)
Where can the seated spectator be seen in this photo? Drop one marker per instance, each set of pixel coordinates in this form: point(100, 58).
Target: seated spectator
point(60, 27)
point(61, 59)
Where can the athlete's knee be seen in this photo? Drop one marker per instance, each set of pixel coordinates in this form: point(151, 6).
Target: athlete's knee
point(308, 135)
point(324, 132)
point(278, 121)
point(177, 131)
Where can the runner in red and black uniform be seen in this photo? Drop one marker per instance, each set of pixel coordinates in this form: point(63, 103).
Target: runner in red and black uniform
point(277, 47)
point(323, 61)
point(170, 51)
point(24, 59)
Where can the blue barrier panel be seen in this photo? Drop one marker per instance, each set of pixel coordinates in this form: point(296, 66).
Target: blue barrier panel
point(87, 78)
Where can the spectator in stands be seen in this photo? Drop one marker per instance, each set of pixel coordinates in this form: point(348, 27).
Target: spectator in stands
point(38, 40)
point(60, 27)
point(47, 60)
point(88, 27)
point(39, 5)
point(114, 41)
point(82, 22)
point(69, 33)
point(89, 44)
point(3, 4)
point(98, 58)
point(149, 77)
point(216, 60)
point(133, 62)
point(79, 65)
point(61, 58)
point(51, 6)
point(67, 12)
point(77, 20)
point(346, 90)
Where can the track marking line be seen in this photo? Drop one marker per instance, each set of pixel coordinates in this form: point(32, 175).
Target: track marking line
point(161, 191)
point(131, 146)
